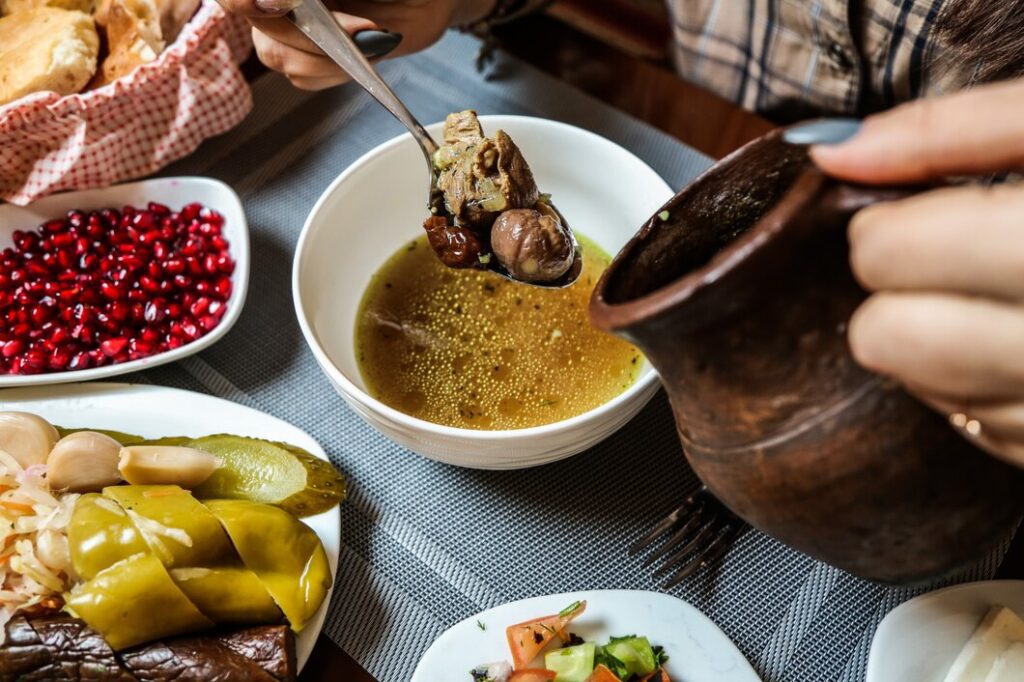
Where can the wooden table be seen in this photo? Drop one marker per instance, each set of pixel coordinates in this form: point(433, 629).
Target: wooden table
point(651, 93)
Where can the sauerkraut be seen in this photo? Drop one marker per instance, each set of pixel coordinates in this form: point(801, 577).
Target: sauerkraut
point(35, 563)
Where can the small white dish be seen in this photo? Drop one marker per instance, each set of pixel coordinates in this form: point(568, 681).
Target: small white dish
point(698, 651)
point(919, 640)
point(172, 192)
point(145, 411)
point(378, 204)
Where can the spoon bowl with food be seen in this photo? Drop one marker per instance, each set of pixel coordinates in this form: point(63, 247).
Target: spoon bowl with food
point(495, 217)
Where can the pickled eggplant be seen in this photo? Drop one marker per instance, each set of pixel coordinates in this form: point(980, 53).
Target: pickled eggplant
point(135, 601)
point(177, 527)
point(100, 534)
point(273, 473)
point(227, 594)
point(293, 566)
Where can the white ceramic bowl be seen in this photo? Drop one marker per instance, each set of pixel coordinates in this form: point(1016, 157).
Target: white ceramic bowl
point(377, 205)
point(173, 192)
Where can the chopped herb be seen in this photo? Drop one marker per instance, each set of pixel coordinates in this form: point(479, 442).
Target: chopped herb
point(568, 610)
point(481, 626)
point(547, 402)
point(664, 216)
point(484, 258)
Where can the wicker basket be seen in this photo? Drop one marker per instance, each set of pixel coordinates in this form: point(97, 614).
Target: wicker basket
point(134, 126)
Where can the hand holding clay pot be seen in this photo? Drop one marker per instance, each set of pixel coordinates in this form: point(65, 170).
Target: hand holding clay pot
point(946, 318)
point(740, 292)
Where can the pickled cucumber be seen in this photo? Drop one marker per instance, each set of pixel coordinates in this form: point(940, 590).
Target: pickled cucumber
point(272, 473)
point(254, 469)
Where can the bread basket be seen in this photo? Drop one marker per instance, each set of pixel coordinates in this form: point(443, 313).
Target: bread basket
point(135, 125)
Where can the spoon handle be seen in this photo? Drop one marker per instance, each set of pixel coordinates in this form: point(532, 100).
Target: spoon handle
point(318, 24)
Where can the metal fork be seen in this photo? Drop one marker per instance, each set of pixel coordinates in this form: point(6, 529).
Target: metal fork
point(695, 534)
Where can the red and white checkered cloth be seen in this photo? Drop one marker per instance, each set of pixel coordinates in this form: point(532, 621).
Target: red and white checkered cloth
point(135, 125)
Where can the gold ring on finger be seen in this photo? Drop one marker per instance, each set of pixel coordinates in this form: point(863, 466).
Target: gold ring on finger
point(965, 423)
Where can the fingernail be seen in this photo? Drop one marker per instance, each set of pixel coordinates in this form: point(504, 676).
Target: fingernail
point(277, 6)
point(377, 43)
point(825, 131)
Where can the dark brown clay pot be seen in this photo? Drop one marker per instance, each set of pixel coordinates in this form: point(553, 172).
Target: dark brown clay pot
point(740, 299)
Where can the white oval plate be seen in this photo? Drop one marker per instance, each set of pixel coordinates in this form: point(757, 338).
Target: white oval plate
point(153, 411)
point(173, 192)
point(919, 640)
point(698, 651)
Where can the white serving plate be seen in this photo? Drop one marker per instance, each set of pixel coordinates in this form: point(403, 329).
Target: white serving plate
point(153, 411)
point(698, 651)
point(377, 205)
point(173, 192)
point(919, 640)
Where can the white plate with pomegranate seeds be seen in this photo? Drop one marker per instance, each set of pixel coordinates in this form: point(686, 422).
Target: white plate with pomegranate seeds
point(143, 411)
point(148, 341)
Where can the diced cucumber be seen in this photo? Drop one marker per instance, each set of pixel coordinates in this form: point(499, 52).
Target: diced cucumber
point(635, 653)
point(571, 664)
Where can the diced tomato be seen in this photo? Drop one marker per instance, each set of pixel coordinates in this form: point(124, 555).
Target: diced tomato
point(532, 675)
point(526, 640)
point(603, 674)
point(658, 675)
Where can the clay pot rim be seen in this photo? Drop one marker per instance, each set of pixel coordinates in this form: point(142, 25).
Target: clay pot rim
point(611, 317)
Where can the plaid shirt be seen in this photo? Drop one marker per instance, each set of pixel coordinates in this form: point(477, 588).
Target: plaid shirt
point(790, 59)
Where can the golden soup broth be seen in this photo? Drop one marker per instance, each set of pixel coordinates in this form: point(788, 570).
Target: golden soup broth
point(473, 350)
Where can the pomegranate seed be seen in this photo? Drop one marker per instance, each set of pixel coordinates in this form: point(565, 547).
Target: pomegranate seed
point(111, 291)
point(200, 307)
point(174, 266)
point(59, 358)
point(54, 226)
point(12, 348)
point(223, 287)
point(112, 347)
point(79, 361)
point(208, 322)
point(217, 308)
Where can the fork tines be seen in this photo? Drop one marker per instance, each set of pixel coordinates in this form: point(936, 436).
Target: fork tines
point(692, 536)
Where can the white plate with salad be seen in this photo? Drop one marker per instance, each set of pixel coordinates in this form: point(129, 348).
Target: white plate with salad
point(594, 636)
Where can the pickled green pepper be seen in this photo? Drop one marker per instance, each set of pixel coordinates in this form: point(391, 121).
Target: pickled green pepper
point(282, 551)
point(135, 601)
point(227, 594)
point(175, 508)
point(100, 534)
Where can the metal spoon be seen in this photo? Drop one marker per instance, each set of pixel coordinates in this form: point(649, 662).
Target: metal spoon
point(316, 22)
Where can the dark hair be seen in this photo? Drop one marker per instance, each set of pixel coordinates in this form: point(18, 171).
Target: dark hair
point(988, 33)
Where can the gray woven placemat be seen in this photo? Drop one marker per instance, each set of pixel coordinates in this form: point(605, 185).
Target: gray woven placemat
point(423, 544)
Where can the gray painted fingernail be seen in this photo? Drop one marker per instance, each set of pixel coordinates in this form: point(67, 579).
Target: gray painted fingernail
point(277, 6)
point(825, 131)
point(377, 43)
